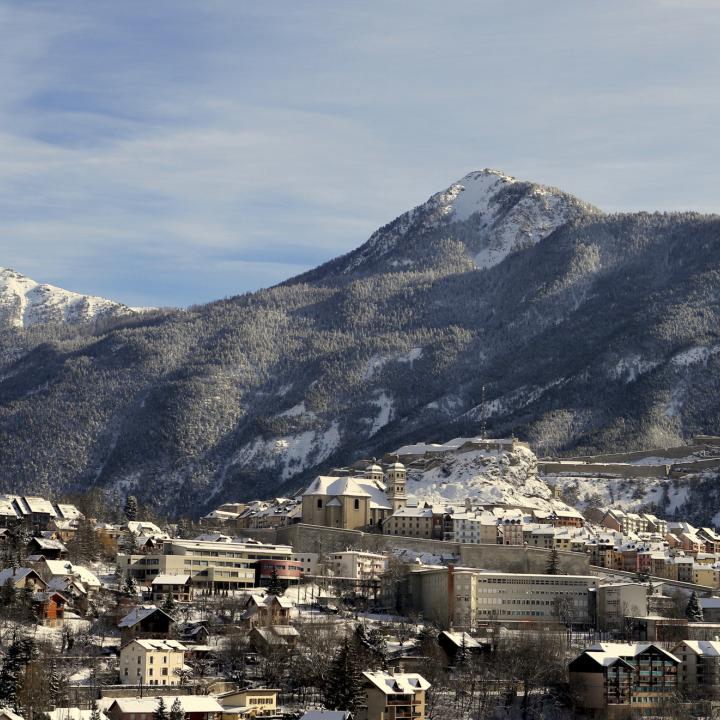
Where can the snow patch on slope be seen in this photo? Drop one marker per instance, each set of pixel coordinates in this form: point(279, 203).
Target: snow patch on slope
point(385, 412)
point(486, 476)
point(292, 453)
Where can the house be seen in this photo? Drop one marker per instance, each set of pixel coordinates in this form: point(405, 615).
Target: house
point(196, 633)
point(146, 621)
point(72, 590)
point(49, 608)
point(268, 610)
point(263, 639)
point(51, 569)
point(250, 702)
point(49, 549)
point(20, 577)
point(458, 642)
point(178, 586)
point(711, 609)
point(699, 673)
point(393, 695)
point(641, 676)
point(151, 662)
point(195, 707)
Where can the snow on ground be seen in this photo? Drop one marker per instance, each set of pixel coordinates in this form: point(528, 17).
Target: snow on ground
point(485, 476)
point(385, 412)
point(378, 362)
point(629, 368)
point(292, 452)
point(693, 355)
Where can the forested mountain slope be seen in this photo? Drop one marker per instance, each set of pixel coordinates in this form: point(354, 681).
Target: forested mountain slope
point(587, 331)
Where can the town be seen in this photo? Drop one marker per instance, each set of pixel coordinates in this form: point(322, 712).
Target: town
point(357, 597)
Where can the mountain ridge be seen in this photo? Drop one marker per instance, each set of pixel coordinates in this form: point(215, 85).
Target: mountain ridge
point(568, 338)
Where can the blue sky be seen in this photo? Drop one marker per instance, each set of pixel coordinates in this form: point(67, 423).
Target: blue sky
point(176, 151)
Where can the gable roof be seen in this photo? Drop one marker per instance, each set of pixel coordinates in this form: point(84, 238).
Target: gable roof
point(397, 683)
point(139, 613)
point(171, 580)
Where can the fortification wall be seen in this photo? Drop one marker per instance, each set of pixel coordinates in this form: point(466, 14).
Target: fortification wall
point(503, 558)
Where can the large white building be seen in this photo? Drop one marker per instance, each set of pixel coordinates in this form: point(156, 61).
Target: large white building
point(465, 597)
point(218, 565)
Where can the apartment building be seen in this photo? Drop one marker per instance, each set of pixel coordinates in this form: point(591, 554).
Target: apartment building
point(357, 565)
point(471, 526)
point(218, 565)
point(464, 597)
point(626, 677)
point(414, 521)
point(699, 673)
point(393, 696)
point(618, 601)
point(151, 662)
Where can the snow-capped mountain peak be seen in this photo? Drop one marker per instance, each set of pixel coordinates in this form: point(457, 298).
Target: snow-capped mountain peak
point(25, 302)
point(500, 215)
point(473, 193)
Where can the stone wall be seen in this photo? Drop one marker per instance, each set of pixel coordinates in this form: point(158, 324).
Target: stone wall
point(504, 558)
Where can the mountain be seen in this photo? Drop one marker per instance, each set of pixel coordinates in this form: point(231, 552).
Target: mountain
point(24, 302)
point(497, 305)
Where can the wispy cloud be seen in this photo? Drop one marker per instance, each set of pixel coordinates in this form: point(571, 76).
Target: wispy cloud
point(173, 152)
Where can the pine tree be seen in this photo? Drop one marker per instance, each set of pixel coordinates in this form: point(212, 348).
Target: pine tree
point(130, 586)
point(8, 594)
point(275, 586)
point(343, 690)
point(56, 689)
point(160, 711)
point(95, 711)
point(693, 611)
point(553, 563)
point(169, 605)
point(131, 508)
point(176, 710)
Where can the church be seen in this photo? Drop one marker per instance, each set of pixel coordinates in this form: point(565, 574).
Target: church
point(355, 502)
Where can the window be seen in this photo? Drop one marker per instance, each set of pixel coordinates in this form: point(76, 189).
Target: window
point(357, 504)
point(319, 503)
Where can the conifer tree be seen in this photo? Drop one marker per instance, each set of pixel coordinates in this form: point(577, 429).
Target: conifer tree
point(160, 711)
point(131, 508)
point(343, 690)
point(8, 594)
point(95, 711)
point(130, 586)
point(275, 586)
point(169, 605)
point(553, 563)
point(693, 611)
point(176, 710)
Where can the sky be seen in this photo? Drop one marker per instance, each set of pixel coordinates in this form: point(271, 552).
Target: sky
point(173, 152)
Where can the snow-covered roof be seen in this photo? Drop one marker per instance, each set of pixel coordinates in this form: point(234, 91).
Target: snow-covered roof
point(189, 704)
point(171, 580)
point(138, 614)
point(708, 648)
point(628, 650)
point(461, 639)
point(64, 567)
point(151, 645)
point(397, 683)
point(327, 485)
point(15, 574)
point(709, 603)
point(72, 713)
point(326, 715)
